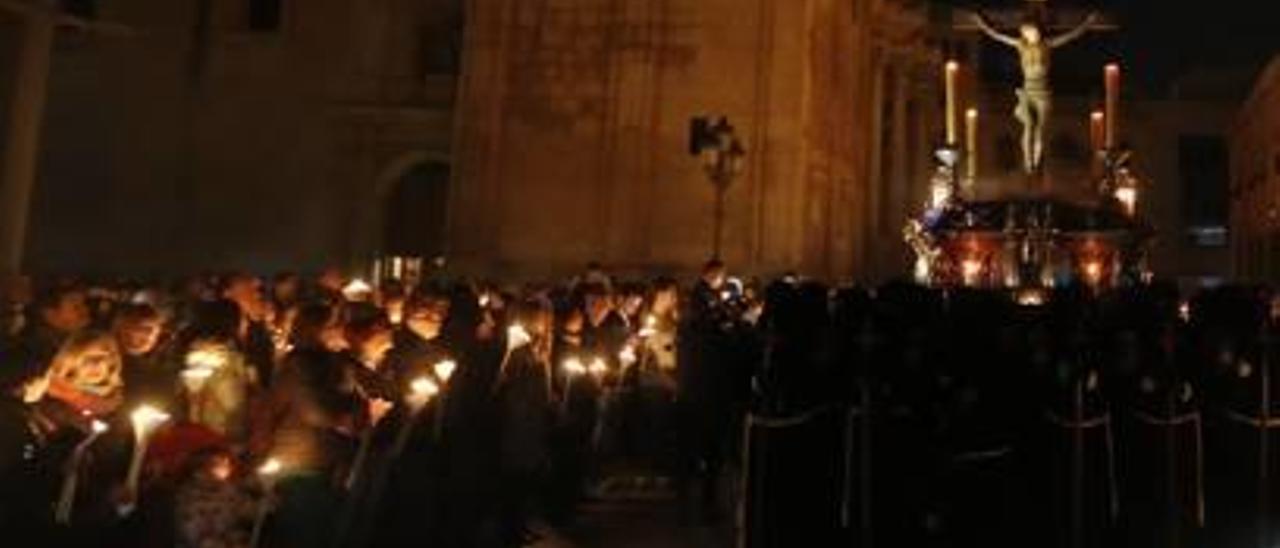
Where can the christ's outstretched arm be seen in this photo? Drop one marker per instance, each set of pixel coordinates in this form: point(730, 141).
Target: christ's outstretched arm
point(1066, 37)
point(981, 21)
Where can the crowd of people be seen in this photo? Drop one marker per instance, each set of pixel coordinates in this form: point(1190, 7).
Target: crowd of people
point(229, 411)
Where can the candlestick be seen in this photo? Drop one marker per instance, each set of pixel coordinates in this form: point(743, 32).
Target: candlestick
point(971, 143)
point(70, 477)
point(145, 419)
point(421, 390)
point(443, 370)
point(952, 69)
point(1113, 103)
point(357, 464)
point(572, 368)
point(267, 472)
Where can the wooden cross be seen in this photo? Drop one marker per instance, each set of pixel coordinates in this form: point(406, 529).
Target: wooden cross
point(1059, 20)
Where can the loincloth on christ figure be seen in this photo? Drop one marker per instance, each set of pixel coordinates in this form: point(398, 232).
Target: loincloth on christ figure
point(1032, 100)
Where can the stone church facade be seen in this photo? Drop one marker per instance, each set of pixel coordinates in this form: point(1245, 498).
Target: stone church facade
point(513, 137)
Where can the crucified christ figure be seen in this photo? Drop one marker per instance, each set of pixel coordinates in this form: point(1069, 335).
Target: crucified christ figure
point(1035, 101)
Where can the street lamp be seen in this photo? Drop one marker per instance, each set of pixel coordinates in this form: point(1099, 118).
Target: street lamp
point(723, 157)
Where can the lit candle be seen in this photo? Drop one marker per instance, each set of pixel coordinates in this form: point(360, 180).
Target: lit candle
point(650, 326)
point(145, 419)
point(628, 355)
point(1113, 103)
point(971, 143)
point(517, 336)
point(195, 379)
point(952, 69)
point(598, 367)
point(1097, 141)
point(572, 368)
point(443, 370)
point(421, 390)
point(1128, 197)
point(970, 269)
point(357, 290)
point(67, 496)
point(1093, 272)
point(267, 473)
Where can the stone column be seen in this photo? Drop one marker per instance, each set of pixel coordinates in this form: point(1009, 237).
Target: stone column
point(22, 140)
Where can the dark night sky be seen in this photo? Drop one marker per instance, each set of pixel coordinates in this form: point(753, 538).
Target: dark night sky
point(1159, 40)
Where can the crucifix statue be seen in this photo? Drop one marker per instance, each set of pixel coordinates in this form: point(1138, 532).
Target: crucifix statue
point(1034, 46)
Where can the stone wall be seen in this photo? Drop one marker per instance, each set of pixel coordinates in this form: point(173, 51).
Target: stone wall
point(573, 132)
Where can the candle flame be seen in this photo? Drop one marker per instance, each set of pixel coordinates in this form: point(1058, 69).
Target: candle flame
point(356, 289)
point(1097, 115)
point(98, 426)
point(206, 358)
point(627, 355)
point(424, 387)
point(517, 336)
point(271, 467)
point(146, 417)
point(954, 65)
point(971, 114)
point(598, 367)
point(1128, 196)
point(1093, 271)
point(197, 373)
point(444, 369)
point(573, 366)
point(971, 268)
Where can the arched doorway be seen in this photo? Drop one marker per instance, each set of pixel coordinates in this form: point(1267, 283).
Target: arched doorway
point(416, 208)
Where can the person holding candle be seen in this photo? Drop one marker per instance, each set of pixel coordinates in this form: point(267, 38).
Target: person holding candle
point(525, 407)
point(90, 444)
point(147, 374)
point(59, 310)
point(222, 401)
point(314, 414)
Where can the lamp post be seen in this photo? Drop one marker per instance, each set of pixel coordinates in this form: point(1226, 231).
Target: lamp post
point(723, 159)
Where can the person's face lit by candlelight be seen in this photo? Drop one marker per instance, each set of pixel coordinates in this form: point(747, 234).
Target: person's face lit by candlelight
point(597, 306)
point(246, 292)
point(66, 312)
point(665, 299)
point(97, 363)
point(426, 317)
point(137, 328)
point(714, 275)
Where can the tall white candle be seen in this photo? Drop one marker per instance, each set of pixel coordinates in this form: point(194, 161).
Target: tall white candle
point(1113, 102)
point(952, 70)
